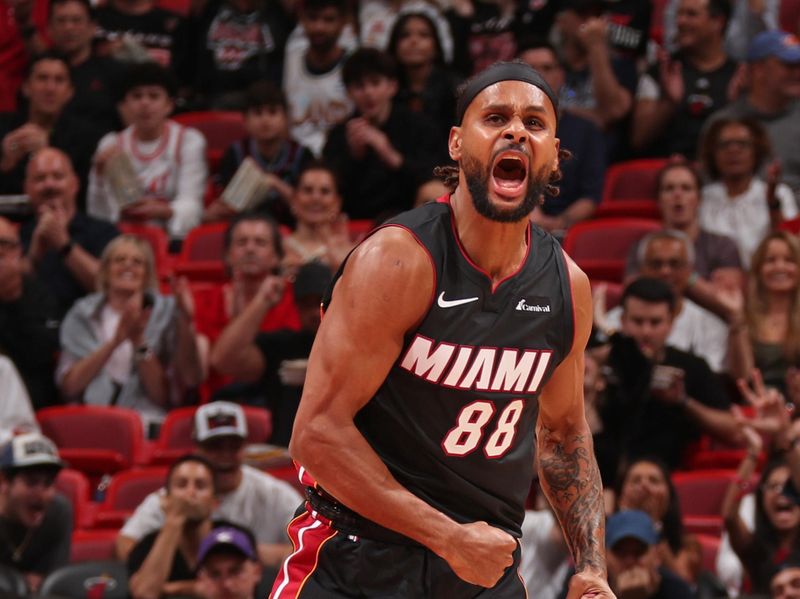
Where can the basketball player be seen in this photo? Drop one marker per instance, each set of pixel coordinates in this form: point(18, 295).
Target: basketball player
point(443, 332)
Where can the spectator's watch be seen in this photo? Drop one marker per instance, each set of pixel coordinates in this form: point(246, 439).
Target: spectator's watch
point(143, 352)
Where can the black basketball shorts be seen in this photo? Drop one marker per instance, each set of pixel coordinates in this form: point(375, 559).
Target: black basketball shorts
point(329, 564)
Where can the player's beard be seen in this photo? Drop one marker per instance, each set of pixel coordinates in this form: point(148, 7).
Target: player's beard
point(477, 177)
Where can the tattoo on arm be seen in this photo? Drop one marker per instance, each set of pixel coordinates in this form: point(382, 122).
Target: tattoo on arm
point(571, 480)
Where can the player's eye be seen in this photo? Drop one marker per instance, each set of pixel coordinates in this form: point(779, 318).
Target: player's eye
point(534, 123)
point(495, 119)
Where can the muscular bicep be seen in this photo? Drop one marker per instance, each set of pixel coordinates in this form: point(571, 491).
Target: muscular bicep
point(385, 291)
point(561, 400)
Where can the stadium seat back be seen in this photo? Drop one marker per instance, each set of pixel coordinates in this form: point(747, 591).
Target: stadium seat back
point(700, 493)
point(94, 438)
point(93, 545)
point(74, 485)
point(128, 488)
point(107, 579)
point(600, 247)
point(632, 180)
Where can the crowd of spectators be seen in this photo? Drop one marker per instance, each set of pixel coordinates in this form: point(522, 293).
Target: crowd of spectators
point(346, 110)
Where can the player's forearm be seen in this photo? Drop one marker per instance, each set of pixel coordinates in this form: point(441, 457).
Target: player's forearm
point(570, 478)
point(346, 466)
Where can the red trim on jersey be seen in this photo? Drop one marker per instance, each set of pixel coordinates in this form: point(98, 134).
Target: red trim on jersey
point(446, 200)
point(308, 536)
point(522, 580)
point(572, 302)
point(162, 145)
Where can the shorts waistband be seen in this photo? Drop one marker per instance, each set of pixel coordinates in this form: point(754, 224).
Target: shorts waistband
point(346, 521)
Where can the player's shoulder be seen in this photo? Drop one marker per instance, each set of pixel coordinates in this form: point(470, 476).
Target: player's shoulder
point(403, 245)
point(578, 280)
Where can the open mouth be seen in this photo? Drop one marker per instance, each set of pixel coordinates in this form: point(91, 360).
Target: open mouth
point(510, 172)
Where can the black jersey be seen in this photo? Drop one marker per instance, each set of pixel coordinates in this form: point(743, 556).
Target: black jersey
point(454, 420)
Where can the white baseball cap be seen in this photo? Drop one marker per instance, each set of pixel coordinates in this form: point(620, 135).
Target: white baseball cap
point(219, 419)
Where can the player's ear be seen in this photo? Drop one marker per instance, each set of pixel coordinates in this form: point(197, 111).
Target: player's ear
point(454, 143)
point(557, 162)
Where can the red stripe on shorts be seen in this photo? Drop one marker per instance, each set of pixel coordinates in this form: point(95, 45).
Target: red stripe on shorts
point(308, 536)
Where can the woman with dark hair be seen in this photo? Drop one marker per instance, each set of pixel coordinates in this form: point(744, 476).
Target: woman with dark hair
point(775, 538)
point(646, 485)
point(425, 84)
point(738, 202)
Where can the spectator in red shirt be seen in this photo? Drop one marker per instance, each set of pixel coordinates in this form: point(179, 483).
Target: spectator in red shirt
point(253, 253)
point(22, 27)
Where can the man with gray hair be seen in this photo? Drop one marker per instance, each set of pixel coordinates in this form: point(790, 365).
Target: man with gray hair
point(669, 255)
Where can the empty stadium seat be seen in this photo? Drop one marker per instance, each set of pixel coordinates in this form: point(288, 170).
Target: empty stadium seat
point(202, 253)
point(632, 180)
point(700, 494)
point(93, 545)
point(600, 247)
point(175, 437)
point(74, 485)
point(106, 579)
point(220, 128)
point(96, 440)
point(647, 208)
point(125, 492)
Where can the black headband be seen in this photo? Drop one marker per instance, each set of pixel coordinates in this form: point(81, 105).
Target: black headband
point(502, 71)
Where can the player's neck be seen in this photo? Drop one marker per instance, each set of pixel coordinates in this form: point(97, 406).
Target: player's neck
point(497, 248)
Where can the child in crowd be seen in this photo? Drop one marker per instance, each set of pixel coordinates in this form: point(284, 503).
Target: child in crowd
point(268, 144)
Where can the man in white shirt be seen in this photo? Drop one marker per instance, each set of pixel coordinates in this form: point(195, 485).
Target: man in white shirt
point(669, 255)
point(312, 73)
point(247, 497)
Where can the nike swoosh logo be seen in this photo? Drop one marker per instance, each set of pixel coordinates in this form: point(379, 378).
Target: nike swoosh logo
point(443, 303)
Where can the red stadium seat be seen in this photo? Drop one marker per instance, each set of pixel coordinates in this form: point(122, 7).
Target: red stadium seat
point(220, 128)
point(92, 545)
point(613, 292)
point(181, 7)
point(613, 208)
point(632, 180)
point(789, 18)
point(125, 492)
point(175, 437)
point(157, 238)
point(201, 256)
point(792, 226)
point(359, 228)
point(700, 494)
point(600, 247)
point(710, 547)
point(74, 485)
point(94, 439)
